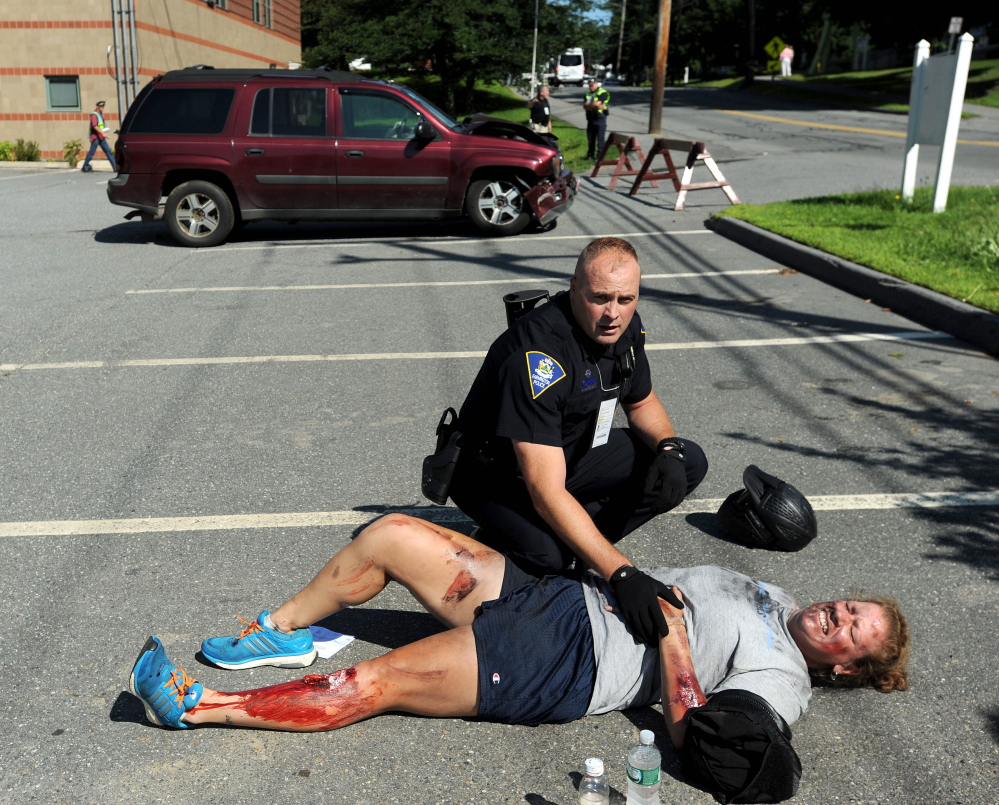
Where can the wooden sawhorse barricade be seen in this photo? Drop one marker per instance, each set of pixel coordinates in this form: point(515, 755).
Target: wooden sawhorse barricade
point(696, 152)
point(625, 146)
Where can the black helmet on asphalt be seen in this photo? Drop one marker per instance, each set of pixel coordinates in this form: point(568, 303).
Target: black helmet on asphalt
point(768, 513)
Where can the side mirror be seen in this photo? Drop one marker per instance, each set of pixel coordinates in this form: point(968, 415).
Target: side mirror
point(425, 131)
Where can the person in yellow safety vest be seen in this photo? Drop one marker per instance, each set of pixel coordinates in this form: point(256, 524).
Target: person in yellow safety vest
point(596, 103)
point(98, 137)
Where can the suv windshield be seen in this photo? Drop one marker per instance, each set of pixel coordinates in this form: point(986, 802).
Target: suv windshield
point(439, 114)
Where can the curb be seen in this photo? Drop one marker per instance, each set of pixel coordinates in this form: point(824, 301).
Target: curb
point(103, 165)
point(978, 327)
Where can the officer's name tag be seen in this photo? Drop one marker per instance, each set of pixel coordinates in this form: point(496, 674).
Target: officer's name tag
point(605, 418)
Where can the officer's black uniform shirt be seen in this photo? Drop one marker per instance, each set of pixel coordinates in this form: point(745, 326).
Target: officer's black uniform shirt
point(540, 112)
point(543, 381)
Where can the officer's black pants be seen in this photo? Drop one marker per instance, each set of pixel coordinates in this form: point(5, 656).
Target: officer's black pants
point(595, 133)
point(609, 482)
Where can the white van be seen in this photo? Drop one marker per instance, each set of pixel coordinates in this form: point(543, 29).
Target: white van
point(571, 67)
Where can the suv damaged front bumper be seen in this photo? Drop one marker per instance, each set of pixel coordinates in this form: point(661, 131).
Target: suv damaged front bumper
point(552, 197)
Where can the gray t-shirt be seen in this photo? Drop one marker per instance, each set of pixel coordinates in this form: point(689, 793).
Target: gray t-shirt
point(738, 635)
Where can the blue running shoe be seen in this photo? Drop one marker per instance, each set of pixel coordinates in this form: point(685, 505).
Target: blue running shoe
point(259, 645)
point(165, 690)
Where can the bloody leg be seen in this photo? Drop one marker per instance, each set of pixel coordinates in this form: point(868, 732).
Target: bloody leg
point(436, 676)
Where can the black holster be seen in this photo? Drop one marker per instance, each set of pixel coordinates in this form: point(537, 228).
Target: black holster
point(438, 469)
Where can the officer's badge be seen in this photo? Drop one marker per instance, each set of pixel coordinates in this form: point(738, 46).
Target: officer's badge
point(543, 371)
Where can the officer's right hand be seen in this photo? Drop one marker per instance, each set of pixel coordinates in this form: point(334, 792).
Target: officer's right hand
point(638, 597)
point(668, 468)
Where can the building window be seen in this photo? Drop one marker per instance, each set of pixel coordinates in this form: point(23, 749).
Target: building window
point(62, 93)
point(262, 13)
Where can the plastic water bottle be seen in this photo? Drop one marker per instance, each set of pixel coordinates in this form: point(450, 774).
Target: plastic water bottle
point(644, 766)
point(593, 788)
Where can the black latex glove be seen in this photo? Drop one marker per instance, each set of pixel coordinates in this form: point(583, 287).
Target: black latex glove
point(669, 466)
point(637, 595)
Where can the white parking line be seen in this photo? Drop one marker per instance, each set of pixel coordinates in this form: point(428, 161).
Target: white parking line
point(506, 281)
point(842, 338)
point(353, 244)
point(147, 525)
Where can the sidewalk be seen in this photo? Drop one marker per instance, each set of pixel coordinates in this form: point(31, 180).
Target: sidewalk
point(103, 165)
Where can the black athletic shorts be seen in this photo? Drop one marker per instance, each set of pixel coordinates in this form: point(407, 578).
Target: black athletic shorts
point(535, 651)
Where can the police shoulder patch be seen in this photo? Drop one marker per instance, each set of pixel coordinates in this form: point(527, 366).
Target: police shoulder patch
point(543, 371)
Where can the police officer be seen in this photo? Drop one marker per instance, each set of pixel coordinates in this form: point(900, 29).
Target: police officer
point(540, 111)
point(596, 102)
point(542, 470)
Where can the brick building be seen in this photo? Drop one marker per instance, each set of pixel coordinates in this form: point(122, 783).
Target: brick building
point(57, 57)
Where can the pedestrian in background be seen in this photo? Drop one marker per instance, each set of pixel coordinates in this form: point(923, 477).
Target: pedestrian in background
point(98, 137)
point(596, 103)
point(786, 57)
point(541, 113)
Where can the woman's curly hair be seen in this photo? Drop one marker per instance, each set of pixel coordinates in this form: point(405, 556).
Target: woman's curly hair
point(885, 670)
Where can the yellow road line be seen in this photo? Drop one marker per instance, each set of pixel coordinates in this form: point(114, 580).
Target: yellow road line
point(680, 346)
point(506, 281)
point(353, 517)
point(834, 127)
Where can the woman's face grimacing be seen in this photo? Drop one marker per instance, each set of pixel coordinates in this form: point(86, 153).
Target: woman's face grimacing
point(834, 634)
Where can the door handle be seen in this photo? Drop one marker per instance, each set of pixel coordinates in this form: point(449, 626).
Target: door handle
point(354, 154)
point(254, 152)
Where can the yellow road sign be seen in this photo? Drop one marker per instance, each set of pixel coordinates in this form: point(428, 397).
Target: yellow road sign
point(774, 47)
point(773, 65)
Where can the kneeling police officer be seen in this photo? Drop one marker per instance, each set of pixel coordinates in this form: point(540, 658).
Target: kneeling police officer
point(541, 468)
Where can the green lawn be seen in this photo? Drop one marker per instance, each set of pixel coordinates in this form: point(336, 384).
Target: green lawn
point(499, 100)
point(983, 86)
point(955, 252)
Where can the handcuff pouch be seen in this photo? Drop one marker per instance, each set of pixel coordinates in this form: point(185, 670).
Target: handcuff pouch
point(438, 469)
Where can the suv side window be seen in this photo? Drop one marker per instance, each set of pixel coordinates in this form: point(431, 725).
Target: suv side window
point(374, 116)
point(183, 110)
point(289, 112)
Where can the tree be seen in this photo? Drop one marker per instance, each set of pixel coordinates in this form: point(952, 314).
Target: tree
point(461, 41)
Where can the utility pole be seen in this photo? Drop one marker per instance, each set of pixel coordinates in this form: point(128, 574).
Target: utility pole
point(534, 57)
point(659, 75)
point(620, 39)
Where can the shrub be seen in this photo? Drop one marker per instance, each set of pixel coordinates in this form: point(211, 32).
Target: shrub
point(71, 151)
point(27, 151)
point(6, 151)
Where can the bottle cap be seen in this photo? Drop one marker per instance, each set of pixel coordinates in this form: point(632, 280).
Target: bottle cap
point(647, 737)
point(594, 766)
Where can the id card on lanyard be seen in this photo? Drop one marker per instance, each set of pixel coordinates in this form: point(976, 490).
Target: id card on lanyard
point(605, 418)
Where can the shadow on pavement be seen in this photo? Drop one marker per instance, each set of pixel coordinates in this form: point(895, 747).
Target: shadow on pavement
point(289, 232)
point(128, 708)
point(389, 628)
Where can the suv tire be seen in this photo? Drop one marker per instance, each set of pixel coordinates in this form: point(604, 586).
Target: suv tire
point(497, 206)
point(199, 214)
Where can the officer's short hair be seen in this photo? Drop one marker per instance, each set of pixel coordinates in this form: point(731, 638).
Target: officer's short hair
point(600, 246)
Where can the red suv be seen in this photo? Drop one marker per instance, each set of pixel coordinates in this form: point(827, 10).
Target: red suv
point(205, 149)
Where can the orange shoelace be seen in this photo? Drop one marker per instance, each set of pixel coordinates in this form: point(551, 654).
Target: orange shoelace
point(181, 684)
point(250, 628)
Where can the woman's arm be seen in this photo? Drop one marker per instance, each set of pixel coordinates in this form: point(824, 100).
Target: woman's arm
point(680, 689)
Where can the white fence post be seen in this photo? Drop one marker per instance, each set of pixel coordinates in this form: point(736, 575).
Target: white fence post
point(911, 140)
point(946, 164)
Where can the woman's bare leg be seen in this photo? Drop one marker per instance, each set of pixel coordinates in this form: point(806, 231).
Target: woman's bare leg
point(448, 573)
point(436, 676)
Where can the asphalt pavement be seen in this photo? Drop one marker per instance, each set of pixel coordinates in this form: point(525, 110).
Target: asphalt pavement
point(188, 435)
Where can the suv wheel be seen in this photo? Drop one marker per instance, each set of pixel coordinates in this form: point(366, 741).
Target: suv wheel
point(199, 214)
point(498, 206)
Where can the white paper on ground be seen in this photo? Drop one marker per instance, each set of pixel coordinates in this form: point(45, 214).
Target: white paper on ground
point(328, 643)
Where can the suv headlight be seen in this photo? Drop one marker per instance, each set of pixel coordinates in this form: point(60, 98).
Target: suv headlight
point(558, 162)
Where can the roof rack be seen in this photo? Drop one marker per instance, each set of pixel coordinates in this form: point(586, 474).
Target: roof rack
point(206, 72)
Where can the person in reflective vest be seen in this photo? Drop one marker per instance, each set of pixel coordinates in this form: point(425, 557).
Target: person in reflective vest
point(98, 137)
